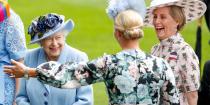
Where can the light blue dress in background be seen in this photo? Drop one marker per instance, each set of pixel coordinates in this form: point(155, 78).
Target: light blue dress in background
point(33, 92)
point(12, 46)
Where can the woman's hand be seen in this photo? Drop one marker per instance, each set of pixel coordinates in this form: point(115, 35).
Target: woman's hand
point(15, 71)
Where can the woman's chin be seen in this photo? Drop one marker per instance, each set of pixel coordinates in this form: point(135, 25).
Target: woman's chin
point(54, 54)
point(160, 36)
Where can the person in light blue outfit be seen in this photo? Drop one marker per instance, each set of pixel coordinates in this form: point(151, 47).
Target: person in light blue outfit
point(12, 46)
point(50, 31)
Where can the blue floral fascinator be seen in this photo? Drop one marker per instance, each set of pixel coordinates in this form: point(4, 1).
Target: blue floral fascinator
point(117, 6)
point(46, 25)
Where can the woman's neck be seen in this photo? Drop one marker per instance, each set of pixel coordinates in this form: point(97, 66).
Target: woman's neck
point(51, 58)
point(130, 44)
point(168, 36)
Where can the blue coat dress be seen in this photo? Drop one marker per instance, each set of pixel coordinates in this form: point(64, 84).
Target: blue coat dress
point(33, 92)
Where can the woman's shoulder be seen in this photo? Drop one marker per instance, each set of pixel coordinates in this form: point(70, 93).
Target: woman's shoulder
point(15, 18)
point(75, 54)
point(32, 56)
point(32, 52)
point(183, 47)
point(74, 51)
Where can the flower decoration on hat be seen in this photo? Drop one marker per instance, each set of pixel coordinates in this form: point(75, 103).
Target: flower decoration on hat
point(116, 6)
point(43, 24)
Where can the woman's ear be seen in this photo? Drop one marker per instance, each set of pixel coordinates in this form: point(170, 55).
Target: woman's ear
point(118, 33)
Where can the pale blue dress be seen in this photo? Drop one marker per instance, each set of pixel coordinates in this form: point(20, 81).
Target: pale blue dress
point(33, 92)
point(12, 46)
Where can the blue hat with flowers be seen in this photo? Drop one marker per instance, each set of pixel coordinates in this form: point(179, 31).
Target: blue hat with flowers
point(47, 25)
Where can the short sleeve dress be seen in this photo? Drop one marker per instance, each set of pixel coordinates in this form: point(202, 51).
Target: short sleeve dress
point(12, 46)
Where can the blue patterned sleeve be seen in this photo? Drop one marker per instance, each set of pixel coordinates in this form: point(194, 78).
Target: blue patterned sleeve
point(15, 38)
point(72, 75)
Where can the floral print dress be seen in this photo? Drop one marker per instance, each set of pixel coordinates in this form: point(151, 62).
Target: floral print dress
point(130, 76)
point(183, 62)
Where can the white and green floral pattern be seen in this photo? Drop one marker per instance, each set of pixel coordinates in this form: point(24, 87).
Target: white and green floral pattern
point(130, 76)
point(184, 64)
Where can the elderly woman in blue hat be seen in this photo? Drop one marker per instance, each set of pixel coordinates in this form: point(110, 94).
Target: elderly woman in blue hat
point(168, 17)
point(50, 32)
